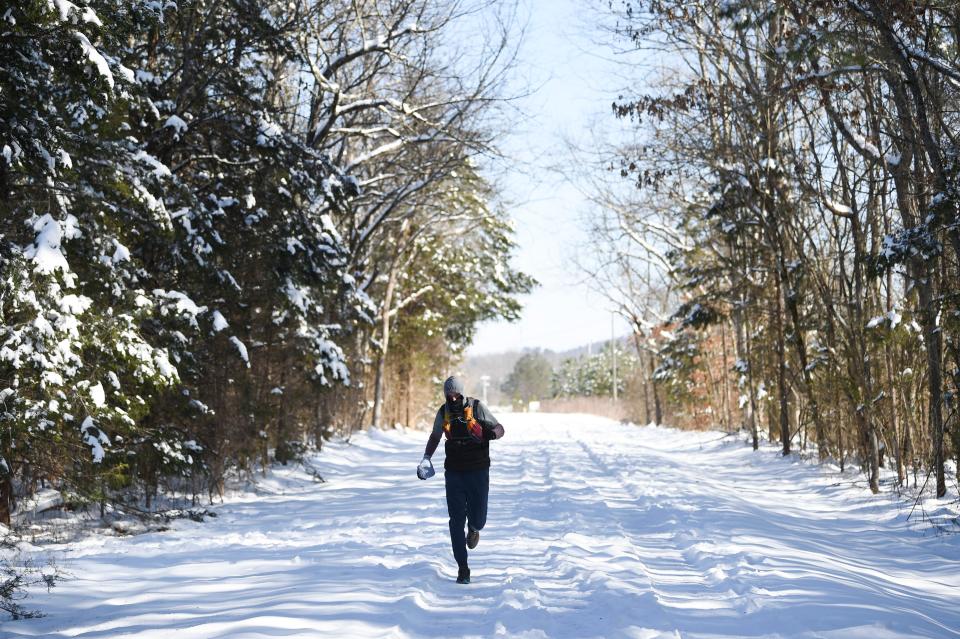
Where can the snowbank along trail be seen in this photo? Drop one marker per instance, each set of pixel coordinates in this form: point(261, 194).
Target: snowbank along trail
point(596, 529)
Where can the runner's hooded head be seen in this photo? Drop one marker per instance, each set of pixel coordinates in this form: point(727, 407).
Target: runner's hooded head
point(453, 389)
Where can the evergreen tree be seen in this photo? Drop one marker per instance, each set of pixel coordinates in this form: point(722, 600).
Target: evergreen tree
point(77, 365)
point(530, 380)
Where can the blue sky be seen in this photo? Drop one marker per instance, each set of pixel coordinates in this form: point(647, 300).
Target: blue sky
point(574, 88)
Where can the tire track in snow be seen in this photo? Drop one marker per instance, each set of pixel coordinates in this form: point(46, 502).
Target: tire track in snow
point(769, 570)
point(669, 559)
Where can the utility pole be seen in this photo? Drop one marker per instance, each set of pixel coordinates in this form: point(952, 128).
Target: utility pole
point(485, 380)
point(613, 350)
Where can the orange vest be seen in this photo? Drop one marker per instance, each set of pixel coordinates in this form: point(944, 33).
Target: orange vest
point(467, 416)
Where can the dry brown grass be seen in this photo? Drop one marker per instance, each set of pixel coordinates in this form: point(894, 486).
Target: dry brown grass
point(602, 406)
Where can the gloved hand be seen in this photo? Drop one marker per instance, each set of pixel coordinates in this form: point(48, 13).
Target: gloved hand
point(476, 431)
point(425, 469)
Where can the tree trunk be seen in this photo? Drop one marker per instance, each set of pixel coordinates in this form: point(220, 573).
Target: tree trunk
point(907, 447)
point(933, 340)
point(6, 498)
point(725, 379)
point(743, 363)
point(657, 408)
point(894, 418)
point(638, 344)
point(922, 275)
point(378, 388)
point(782, 368)
point(751, 405)
point(801, 349)
point(319, 423)
point(840, 442)
point(646, 399)
point(408, 393)
point(866, 422)
point(869, 434)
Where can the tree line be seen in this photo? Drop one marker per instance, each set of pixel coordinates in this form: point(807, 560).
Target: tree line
point(535, 377)
point(788, 249)
point(231, 229)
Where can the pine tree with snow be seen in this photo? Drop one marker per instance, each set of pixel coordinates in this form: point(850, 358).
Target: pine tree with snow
point(78, 190)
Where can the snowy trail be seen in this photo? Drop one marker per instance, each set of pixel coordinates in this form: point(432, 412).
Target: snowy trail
point(596, 529)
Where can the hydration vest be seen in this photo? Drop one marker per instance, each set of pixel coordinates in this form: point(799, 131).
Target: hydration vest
point(458, 421)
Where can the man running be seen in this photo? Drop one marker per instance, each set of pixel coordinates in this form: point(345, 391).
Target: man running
point(468, 427)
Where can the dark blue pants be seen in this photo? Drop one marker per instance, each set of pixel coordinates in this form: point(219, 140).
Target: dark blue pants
point(467, 492)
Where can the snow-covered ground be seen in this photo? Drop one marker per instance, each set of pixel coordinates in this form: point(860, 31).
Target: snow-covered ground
point(596, 529)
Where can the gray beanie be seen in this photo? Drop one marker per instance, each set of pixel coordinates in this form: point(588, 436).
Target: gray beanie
point(452, 385)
